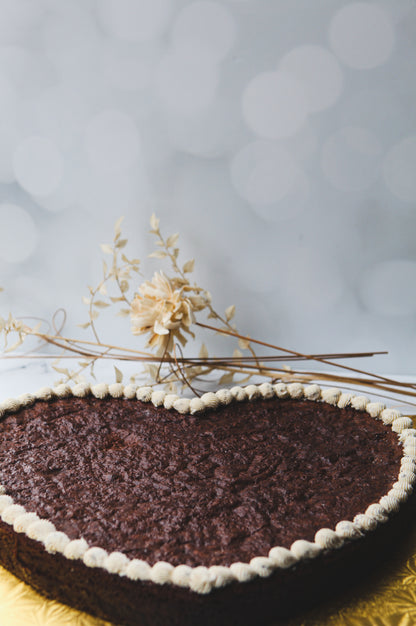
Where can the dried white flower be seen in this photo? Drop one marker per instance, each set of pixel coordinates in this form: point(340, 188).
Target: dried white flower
point(164, 309)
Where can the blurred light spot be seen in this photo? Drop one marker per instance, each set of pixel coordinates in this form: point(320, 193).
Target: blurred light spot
point(388, 288)
point(263, 172)
point(399, 169)
point(112, 141)
point(319, 73)
point(38, 165)
point(351, 158)
point(133, 20)
point(205, 24)
point(186, 80)
point(274, 105)
point(18, 234)
point(361, 35)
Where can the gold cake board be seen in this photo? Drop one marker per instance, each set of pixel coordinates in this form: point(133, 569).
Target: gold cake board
point(388, 598)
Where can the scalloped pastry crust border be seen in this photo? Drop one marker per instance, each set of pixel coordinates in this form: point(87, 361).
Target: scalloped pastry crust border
point(203, 579)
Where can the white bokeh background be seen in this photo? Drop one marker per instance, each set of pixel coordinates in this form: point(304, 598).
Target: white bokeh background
point(279, 139)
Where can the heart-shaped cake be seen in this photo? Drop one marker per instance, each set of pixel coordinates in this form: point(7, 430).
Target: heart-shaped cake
point(234, 508)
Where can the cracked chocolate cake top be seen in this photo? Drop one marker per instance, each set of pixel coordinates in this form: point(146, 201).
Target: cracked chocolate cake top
point(214, 488)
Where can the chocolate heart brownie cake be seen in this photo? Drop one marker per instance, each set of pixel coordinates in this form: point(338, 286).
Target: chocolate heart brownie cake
point(234, 508)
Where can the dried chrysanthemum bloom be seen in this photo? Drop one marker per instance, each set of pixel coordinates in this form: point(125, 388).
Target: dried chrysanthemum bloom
point(164, 308)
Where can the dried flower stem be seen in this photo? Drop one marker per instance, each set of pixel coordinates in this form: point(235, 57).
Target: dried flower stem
point(309, 357)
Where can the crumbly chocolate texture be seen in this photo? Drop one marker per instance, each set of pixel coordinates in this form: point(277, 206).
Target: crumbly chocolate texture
point(211, 489)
